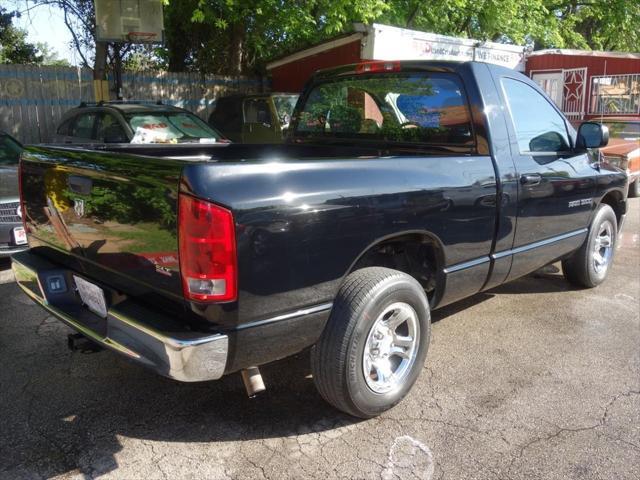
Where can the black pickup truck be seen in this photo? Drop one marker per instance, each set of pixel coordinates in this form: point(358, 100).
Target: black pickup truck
point(404, 186)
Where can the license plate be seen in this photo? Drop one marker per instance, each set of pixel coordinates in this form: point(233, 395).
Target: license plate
point(92, 296)
point(19, 236)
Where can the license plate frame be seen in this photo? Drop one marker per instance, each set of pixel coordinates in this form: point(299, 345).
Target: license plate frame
point(92, 296)
point(19, 236)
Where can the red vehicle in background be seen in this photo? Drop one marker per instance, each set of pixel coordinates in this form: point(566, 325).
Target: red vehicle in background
point(623, 150)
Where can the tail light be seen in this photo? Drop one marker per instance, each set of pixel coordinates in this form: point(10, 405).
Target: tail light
point(379, 66)
point(207, 245)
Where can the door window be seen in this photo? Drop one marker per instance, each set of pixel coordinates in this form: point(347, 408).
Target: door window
point(538, 126)
point(83, 126)
point(256, 110)
point(63, 129)
point(109, 130)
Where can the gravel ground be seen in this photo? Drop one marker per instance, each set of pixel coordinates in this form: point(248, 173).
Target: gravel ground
point(531, 380)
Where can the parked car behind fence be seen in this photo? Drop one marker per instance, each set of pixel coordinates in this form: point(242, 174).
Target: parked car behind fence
point(254, 118)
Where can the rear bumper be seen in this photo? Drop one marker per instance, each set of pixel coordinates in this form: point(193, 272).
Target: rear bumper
point(134, 331)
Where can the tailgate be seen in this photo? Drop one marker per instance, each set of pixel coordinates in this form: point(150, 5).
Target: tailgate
point(111, 216)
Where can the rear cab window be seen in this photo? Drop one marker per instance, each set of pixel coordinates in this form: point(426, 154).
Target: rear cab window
point(412, 107)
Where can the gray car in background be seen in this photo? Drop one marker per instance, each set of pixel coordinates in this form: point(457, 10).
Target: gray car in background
point(12, 235)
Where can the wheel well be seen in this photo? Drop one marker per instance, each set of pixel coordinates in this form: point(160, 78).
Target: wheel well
point(415, 254)
point(615, 201)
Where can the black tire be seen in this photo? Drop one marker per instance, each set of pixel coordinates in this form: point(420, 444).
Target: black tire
point(580, 269)
point(337, 359)
point(634, 188)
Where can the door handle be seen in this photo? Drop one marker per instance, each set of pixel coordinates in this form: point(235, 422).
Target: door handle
point(530, 179)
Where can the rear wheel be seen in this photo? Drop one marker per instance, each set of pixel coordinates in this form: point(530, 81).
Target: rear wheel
point(588, 267)
point(634, 188)
point(375, 343)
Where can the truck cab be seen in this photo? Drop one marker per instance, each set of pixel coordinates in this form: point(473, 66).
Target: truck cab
point(402, 187)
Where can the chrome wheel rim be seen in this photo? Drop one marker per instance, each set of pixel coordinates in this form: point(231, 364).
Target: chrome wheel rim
point(391, 348)
point(603, 247)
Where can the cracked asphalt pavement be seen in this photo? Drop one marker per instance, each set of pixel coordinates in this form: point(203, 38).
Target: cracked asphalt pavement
point(534, 379)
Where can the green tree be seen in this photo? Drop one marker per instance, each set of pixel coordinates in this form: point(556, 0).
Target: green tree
point(50, 56)
point(233, 36)
point(14, 47)
point(588, 24)
point(599, 24)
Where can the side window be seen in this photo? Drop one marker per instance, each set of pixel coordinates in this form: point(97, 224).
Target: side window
point(538, 126)
point(63, 129)
point(109, 130)
point(227, 115)
point(83, 126)
point(9, 151)
point(256, 111)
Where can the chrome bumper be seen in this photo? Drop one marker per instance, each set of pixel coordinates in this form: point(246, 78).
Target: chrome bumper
point(130, 329)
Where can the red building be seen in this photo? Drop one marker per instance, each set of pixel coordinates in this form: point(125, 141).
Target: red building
point(383, 42)
point(588, 84)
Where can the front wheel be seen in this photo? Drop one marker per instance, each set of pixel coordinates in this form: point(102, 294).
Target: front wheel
point(588, 267)
point(375, 342)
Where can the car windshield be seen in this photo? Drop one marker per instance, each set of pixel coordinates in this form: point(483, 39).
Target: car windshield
point(284, 107)
point(399, 107)
point(169, 128)
point(624, 130)
point(9, 151)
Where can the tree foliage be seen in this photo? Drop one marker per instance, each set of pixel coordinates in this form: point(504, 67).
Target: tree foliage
point(238, 36)
point(233, 36)
point(14, 47)
point(585, 24)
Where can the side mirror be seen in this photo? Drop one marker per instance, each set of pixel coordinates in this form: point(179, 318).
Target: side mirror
point(592, 135)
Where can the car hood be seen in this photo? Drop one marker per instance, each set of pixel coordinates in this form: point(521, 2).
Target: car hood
point(8, 183)
point(621, 147)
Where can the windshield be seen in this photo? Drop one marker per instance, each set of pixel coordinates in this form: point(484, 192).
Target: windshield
point(400, 107)
point(624, 130)
point(284, 107)
point(169, 128)
point(9, 151)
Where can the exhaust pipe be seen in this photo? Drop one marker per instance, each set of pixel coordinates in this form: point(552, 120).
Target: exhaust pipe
point(252, 381)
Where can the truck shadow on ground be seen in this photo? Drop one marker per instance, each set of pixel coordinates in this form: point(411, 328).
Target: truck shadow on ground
point(66, 412)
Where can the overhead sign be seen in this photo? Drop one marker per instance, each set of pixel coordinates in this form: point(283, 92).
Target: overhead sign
point(391, 43)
